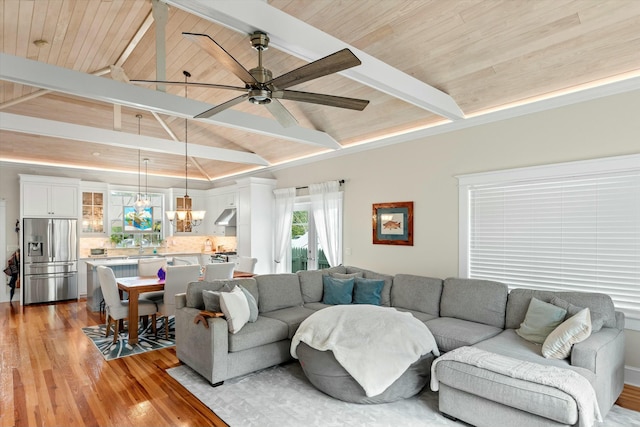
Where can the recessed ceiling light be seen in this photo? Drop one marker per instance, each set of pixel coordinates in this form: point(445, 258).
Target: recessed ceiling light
point(40, 43)
point(95, 153)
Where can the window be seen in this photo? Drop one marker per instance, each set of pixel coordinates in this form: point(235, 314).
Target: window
point(131, 229)
point(306, 253)
point(572, 226)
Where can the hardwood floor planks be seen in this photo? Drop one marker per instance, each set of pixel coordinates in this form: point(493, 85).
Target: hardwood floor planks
point(51, 374)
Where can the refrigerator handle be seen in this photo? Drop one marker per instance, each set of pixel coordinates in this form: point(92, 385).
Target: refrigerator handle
point(50, 238)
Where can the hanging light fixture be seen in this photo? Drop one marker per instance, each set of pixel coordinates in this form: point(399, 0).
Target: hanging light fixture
point(141, 202)
point(195, 217)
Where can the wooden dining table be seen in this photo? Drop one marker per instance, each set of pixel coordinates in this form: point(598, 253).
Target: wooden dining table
point(136, 285)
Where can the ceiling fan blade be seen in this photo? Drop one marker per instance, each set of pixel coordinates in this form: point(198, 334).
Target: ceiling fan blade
point(282, 115)
point(222, 107)
point(333, 63)
point(210, 46)
point(318, 98)
point(207, 85)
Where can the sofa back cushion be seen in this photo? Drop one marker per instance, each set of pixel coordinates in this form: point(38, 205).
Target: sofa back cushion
point(385, 295)
point(194, 289)
point(311, 282)
point(600, 305)
point(418, 293)
point(481, 301)
point(278, 291)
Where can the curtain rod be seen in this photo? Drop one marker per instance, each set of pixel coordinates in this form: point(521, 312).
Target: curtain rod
point(306, 186)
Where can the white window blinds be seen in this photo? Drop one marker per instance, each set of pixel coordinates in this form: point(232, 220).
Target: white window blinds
point(577, 233)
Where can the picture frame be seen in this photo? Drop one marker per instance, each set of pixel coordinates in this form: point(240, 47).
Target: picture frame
point(392, 223)
point(134, 221)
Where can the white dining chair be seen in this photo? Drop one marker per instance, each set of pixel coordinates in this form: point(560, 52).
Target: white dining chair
point(188, 260)
point(246, 264)
point(117, 309)
point(175, 282)
point(150, 266)
point(219, 270)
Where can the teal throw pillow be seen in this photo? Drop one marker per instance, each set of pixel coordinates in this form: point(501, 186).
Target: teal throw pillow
point(367, 291)
point(337, 291)
point(541, 319)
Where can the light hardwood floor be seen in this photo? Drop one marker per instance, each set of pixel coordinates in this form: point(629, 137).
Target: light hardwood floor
point(51, 375)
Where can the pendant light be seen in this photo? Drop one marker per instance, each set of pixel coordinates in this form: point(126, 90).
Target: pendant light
point(195, 217)
point(141, 202)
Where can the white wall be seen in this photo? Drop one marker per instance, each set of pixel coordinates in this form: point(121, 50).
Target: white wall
point(423, 171)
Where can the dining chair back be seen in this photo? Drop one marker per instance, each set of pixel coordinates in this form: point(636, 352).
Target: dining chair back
point(117, 309)
point(246, 264)
point(219, 270)
point(150, 266)
point(188, 260)
point(175, 282)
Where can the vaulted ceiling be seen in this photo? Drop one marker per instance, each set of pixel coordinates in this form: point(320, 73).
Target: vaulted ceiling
point(65, 98)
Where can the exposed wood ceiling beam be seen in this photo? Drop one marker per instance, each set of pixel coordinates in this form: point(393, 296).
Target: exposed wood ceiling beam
point(51, 77)
point(35, 126)
point(300, 39)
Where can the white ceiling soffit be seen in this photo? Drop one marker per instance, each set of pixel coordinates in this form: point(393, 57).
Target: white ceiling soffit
point(35, 126)
point(58, 79)
point(300, 39)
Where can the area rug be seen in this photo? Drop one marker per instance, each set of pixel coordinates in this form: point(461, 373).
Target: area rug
point(282, 396)
point(121, 348)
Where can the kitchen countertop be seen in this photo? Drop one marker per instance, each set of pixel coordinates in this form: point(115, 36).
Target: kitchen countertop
point(124, 260)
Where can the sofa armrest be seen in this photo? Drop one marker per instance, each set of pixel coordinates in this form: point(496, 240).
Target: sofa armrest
point(603, 354)
point(205, 350)
point(181, 300)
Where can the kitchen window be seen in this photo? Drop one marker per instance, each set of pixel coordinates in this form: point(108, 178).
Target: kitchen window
point(129, 228)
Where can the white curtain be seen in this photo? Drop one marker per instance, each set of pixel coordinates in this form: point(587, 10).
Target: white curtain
point(326, 202)
point(285, 198)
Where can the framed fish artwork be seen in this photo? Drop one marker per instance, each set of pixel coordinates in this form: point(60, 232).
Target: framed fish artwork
point(393, 223)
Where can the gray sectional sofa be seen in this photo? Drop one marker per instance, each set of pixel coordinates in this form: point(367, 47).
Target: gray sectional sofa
point(458, 312)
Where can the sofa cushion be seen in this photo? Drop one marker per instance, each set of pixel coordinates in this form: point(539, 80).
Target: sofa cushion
point(292, 316)
point(263, 331)
point(315, 306)
point(423, 317)
point(367, 291)
point(346, 275)
point(576, 329)
point(481, 301)
point(417, 293)
point(597, 320)
point(385, 295)
point(194, 289)
point(541, 319)
point(311, 282)
point(451, 333)
point(278, 291)
point(519, 299)
point(337, 291)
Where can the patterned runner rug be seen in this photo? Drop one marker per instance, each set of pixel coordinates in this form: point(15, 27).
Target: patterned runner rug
point(146, 340)
point(282, 396)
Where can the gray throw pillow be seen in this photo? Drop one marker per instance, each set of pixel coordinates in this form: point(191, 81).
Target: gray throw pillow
point(211, 300)
point(597, 319)
point(253, 305)
point(541, 319)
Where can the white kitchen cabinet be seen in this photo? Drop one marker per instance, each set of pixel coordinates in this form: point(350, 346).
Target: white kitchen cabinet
point(54, 197)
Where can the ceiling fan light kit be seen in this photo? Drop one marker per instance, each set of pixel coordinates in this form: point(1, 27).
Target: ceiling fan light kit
point(260, 86)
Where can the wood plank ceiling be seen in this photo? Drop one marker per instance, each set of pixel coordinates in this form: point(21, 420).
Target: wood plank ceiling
point(484, 54)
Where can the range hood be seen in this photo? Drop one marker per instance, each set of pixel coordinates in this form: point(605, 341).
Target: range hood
point(227, 218)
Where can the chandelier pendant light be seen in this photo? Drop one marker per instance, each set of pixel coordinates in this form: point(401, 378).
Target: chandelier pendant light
point(141, 202)
point(186, 214)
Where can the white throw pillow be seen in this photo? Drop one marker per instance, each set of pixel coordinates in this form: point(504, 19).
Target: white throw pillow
point(235, 308)
point(572, 331)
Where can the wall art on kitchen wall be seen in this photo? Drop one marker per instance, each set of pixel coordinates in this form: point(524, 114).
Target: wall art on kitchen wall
point(393, 223)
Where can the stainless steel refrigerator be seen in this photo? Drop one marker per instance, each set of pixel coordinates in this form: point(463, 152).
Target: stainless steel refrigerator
point(50, 260)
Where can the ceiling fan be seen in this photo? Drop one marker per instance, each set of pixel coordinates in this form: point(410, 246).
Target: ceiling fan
point(261, 88)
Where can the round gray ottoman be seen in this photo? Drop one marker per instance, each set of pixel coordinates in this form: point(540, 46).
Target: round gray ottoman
point(328, 376)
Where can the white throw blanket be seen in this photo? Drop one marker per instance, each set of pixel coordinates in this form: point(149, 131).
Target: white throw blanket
point(375, 345)
point(566, 380)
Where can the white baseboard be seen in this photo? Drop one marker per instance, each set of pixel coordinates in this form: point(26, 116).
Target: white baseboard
point(632, 376)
